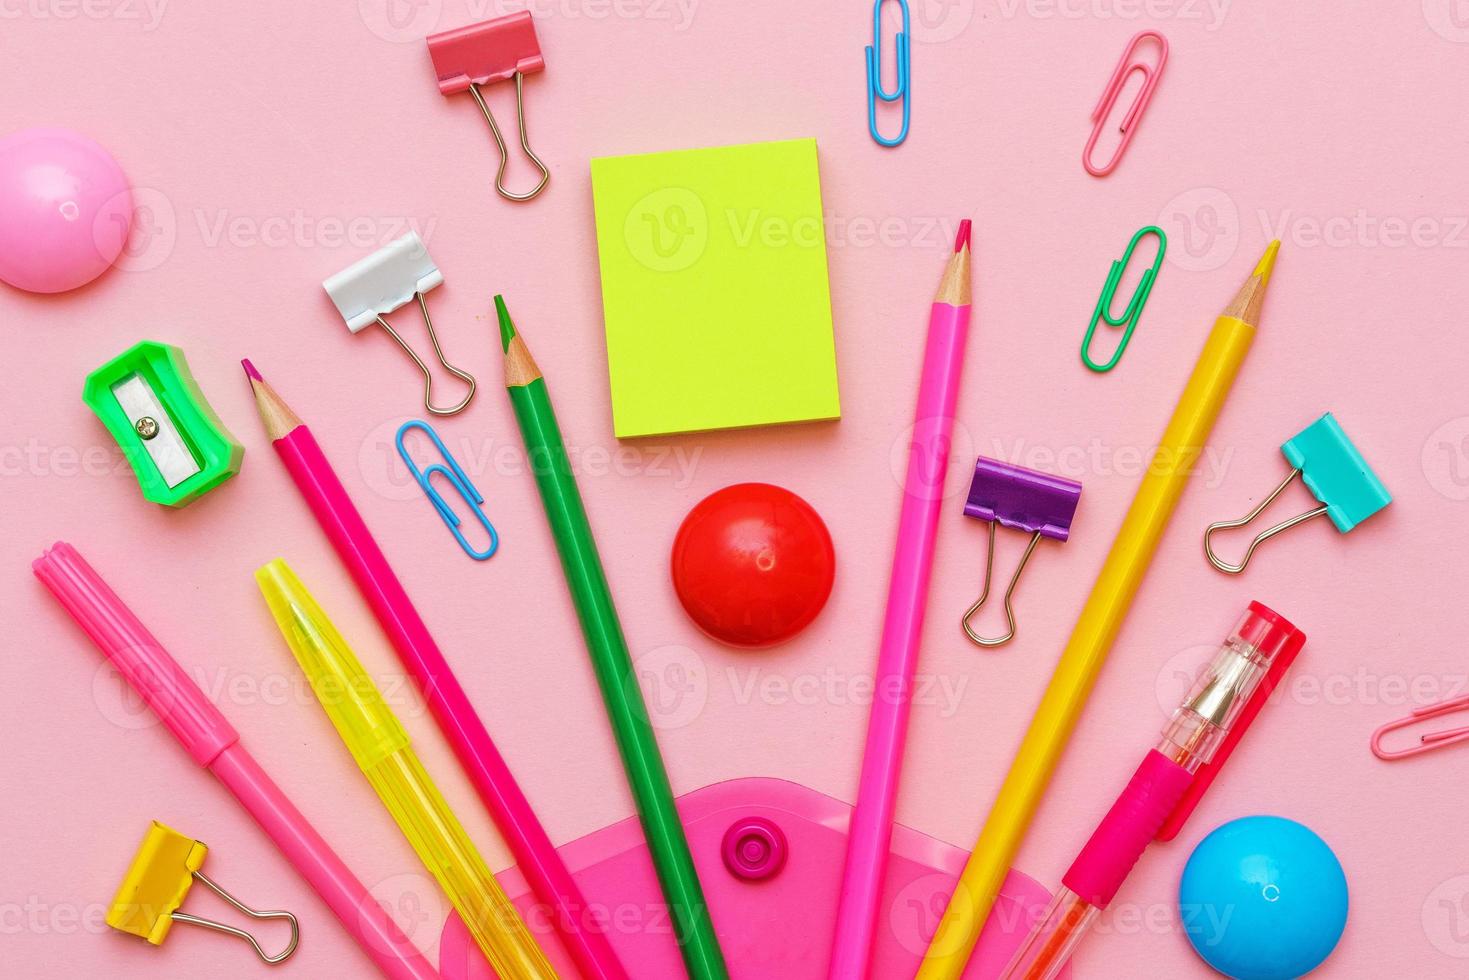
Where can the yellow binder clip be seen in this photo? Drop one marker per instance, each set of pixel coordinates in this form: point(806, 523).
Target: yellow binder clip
point(159, 879)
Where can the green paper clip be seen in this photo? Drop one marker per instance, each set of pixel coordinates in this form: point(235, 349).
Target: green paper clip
point(148, 399)
point(1335, 473)
point(1129, 317)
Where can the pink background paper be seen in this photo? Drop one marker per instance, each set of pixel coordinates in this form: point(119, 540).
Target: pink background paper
point(273, 143)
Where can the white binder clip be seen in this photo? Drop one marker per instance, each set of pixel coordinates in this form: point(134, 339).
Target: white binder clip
point(399, 272)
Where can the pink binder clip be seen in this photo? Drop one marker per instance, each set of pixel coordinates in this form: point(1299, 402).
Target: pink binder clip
point(492, 51)
point(1428, 742)
point(1125, 67)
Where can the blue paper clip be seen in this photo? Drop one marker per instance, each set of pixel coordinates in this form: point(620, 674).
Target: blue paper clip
point(455, 475)
point(875, 90)
point(1127, 318)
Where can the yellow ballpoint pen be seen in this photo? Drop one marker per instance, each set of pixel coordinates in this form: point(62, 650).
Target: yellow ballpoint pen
point(380, 745)
point(1076, 673)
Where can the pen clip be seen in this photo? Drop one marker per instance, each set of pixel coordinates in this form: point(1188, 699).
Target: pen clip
point(1208, 772)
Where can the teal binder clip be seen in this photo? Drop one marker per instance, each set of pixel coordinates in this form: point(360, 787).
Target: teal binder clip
point(1335, 473)
point(458, 480)
point(1128, 318)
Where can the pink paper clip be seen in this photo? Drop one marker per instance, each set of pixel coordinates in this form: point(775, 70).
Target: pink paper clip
point(1125, 67)
point(492, 51)
point(1429, 742)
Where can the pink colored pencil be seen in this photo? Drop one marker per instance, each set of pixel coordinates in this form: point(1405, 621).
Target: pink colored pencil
point(451, 708)
point(887, 726)
point(214, 744)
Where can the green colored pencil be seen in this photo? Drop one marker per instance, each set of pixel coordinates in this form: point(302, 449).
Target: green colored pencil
point(628, 713)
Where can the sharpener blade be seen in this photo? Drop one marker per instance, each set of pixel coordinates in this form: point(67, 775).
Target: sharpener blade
point(155, 430)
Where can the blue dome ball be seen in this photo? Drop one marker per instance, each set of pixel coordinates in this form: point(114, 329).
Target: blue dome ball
point(1263, 898)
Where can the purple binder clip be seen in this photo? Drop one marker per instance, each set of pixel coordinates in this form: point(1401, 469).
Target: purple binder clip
point(1027, 501)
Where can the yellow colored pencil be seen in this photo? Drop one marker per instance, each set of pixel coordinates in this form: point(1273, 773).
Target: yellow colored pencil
point(1076, 673)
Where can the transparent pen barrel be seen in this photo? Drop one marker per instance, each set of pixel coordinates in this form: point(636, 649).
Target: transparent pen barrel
point(1050, 944)
point(449, 855)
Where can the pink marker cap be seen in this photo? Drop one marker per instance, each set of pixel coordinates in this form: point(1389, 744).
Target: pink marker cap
point(140, 658)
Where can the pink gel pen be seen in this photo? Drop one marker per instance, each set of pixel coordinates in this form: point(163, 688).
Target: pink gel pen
point(1201, 733)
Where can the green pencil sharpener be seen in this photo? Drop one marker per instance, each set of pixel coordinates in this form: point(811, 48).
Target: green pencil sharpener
point(148, 399)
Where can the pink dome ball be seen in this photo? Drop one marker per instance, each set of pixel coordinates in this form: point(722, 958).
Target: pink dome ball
point(65, 210)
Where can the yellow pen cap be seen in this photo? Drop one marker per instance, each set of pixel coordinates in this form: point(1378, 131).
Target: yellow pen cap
point(351, 699)
point(380, 746)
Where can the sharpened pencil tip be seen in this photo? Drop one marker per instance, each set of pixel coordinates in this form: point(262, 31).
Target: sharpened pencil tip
point(507, 326)
point(250, 371)
point(962, 239)
point(1248, 302)
point(1266, 265)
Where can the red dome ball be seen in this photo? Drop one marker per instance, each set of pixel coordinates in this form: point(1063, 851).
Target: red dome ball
point(753, 564)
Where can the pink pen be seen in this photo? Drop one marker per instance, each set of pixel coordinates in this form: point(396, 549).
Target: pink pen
point(215, 745)
point(1166, 787)
point(451, 708)
point(887, 724)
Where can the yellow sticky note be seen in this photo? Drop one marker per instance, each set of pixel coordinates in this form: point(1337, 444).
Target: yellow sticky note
point(714, 288)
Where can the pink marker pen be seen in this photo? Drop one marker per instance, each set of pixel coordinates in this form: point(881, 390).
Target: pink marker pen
point(214, 744)
point(1216, 712)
